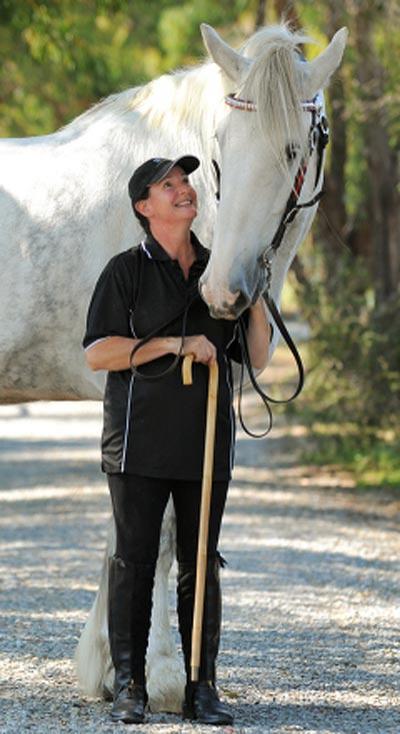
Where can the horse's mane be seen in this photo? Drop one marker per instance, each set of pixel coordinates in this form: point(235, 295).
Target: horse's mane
point(188, 98)
point(172, 104)
point(185, 99)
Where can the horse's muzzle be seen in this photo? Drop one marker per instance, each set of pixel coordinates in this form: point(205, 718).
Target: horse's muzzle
point(230, 303)
point(226, 310)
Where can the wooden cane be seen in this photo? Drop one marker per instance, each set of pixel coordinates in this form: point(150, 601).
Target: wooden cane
point(206, 488)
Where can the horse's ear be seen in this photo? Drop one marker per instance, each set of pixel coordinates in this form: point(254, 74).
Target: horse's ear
point(233, 64)
point(320, 69)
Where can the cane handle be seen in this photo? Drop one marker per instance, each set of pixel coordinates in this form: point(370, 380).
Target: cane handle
point(187, 377)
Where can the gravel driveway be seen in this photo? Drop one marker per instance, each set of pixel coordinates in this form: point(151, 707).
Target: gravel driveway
point(311, 590)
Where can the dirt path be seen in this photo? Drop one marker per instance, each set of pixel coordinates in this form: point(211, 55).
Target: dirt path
point(311, 592)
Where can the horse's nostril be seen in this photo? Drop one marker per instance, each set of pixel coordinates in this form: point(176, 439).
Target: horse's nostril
point(214, 312)
point(241, 302)
point(231, 310)
point(223, 303)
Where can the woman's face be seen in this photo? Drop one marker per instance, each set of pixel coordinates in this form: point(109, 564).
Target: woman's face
point(171, 200)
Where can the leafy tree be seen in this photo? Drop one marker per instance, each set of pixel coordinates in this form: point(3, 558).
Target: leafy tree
point(60, 57)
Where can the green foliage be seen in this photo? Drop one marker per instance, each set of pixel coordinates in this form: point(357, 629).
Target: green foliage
point(355, 349)
point(352, 397)
point(179, 26)
point(387, 44)
point(351, 402)
point(58, 58)
point(373, 460)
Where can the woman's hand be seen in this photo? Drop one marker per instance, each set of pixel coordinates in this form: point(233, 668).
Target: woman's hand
point(202, 349)
point(258, 334)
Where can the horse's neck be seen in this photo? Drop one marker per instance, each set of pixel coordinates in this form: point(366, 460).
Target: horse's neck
point(171, 116)
point(82, 171)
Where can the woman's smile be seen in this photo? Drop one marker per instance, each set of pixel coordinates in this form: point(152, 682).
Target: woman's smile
point(185, 202)
point(174, 191)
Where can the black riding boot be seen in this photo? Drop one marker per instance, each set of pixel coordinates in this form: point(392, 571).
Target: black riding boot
point(201, 699)
point(129, 615)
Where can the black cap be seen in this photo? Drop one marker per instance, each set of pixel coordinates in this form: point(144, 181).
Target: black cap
point(154, 170)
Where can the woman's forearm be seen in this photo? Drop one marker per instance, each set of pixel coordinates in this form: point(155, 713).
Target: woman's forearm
point(114, 352)
point(258, 334)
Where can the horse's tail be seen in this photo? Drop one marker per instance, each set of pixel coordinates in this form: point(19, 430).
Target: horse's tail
point(92, 656)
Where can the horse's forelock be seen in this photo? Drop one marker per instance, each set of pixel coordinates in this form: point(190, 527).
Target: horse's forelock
point(273, 84)
point(280, 35)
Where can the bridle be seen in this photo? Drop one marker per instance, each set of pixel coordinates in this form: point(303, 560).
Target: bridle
point(318, 137)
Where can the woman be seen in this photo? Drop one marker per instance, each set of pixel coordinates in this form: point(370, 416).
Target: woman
point(153, 434)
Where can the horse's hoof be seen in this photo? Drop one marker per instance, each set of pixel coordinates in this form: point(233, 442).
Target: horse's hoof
point(107, 694)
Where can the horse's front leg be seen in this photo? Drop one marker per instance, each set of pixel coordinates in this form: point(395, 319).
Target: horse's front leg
point(165, 674)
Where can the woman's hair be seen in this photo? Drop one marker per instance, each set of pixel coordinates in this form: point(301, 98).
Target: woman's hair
point(142, 219)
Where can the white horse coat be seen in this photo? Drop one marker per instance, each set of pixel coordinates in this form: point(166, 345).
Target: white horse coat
point(65, 212)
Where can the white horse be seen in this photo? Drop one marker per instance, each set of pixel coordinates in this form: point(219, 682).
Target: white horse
point(65, 211)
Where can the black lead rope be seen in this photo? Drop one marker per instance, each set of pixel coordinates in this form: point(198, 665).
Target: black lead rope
point(247, 362)
point(217, 172)
point(273, 309)
point(245, 358)
point(264, 398)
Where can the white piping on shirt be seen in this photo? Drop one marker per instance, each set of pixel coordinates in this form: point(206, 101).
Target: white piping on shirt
point(128, 405)
point(97, 341)
point(127, 421)
point(143, 246)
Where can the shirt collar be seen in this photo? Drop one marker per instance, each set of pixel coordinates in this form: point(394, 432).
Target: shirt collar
point(155, 251)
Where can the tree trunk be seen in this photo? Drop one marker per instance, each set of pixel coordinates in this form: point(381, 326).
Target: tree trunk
point(383, 212)
point(335, 182)
point(332, 221)
point(286, 10)
point(260, 13)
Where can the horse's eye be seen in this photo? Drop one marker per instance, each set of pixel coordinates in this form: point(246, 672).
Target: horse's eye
point(291, 151)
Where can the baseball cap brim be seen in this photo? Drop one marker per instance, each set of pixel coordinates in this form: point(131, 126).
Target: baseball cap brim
point(188, 163)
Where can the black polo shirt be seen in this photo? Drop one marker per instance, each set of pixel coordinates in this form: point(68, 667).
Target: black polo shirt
point(156, 427)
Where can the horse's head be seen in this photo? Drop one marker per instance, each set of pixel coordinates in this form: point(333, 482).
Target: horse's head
point(264, 149)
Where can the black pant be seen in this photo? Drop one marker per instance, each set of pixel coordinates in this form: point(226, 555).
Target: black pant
point(139, 504)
